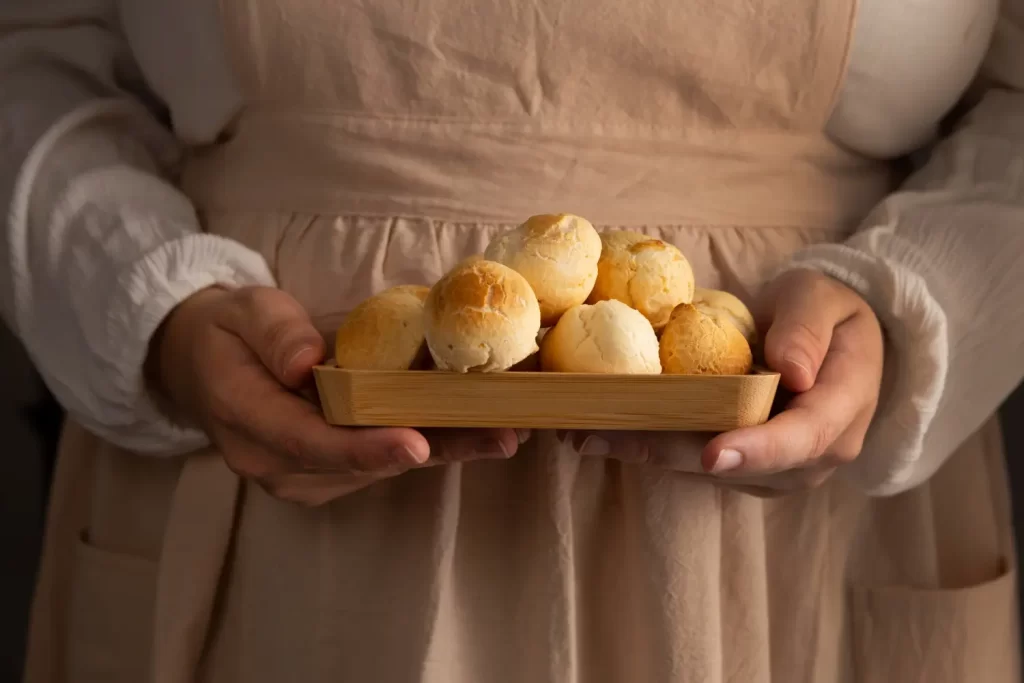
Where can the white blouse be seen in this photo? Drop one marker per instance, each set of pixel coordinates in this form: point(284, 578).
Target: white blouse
point(100, 246)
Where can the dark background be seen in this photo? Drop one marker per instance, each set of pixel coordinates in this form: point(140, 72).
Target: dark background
point(29, 424)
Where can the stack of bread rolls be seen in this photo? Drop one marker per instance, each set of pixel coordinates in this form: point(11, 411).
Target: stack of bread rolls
point(555, 295)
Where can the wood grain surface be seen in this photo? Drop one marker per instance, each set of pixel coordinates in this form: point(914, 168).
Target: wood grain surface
point(545, 400)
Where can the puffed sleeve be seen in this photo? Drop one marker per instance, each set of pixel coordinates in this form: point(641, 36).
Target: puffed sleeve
point(941, 262)
point(98, 243)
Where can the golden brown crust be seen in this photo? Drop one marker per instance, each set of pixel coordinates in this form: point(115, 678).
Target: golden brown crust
point(385, 332)
point(607, 337)
point(697, 344)
point(482, 317)
point(647, 274)
point(718, 303)
point(557, 254)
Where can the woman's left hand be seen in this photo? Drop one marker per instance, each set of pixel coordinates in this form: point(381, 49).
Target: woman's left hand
point(827, 344)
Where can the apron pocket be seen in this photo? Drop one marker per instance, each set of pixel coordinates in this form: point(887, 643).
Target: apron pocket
point(110, 616)
point(938, 636)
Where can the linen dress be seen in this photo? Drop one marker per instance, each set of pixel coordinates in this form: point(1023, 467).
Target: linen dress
point(380, 144)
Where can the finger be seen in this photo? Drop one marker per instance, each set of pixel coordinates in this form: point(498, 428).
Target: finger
point(676, 451)
point(846, 387)
point(631, 447)
point(756, 491)
point(780, 483)
point(249, 459)
point(254, 404)
point(311, 490)
point(807, 309)
point(278, 329)
point(459, 445)
point(786, 441)
point(287, 480)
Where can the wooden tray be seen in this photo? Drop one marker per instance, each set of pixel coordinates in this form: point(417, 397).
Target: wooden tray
point(542, 400)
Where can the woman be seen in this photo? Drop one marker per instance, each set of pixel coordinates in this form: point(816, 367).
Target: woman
point(334, 149)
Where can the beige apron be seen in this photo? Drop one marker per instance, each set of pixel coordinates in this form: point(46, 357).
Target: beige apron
point(384, 141)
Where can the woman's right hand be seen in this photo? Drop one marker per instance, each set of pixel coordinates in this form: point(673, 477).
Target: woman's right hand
point(233, 363)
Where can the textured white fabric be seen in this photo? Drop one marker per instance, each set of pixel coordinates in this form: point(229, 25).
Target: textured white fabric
point(92, 203)
point(121, 248)
point(940, 263)
point(99, 245)
point(909, 64)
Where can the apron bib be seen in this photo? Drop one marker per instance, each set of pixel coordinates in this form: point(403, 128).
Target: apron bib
point(383, 142)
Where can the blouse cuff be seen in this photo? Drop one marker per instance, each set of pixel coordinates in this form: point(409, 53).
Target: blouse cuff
point(147, 293)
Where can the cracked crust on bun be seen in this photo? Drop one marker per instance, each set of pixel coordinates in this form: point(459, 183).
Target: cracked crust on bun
point(481, 317)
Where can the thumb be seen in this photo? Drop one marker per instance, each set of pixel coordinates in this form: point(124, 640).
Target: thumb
point(808, 307)
point(278, 330)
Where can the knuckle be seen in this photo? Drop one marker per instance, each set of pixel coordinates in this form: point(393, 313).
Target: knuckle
point(844, 456)
point(771, 459)
point(293, 449)
point(360, 463)
point(278, 488)
point(251, 464)
point(299, 453)
point(845, 453)
point(807, 337)
point(204, 335)
point(821, 439)
point(246, 468)
point(249, 298)
point(223, 407)
point(275, 334)
point(245, 302)
point(238, 466)
point(642, 452)
point(339, 460)
point(226, 397)
point(257, 300)
point(349, 459)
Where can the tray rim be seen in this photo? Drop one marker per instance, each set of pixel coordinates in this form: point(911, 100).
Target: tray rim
point(335, 384)
point(756, 371)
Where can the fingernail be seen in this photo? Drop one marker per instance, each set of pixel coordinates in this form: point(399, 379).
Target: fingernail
point(799, 360)
point(404, 455)
point(728, 459)
point(492, 448)
point(522, 435)
point(296, 355)
point(595, 446)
